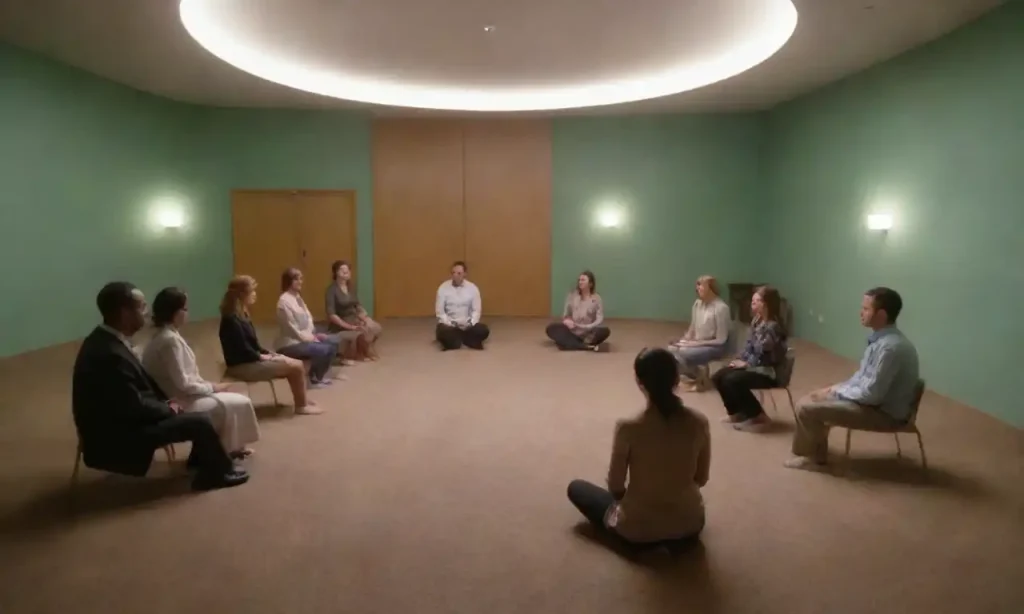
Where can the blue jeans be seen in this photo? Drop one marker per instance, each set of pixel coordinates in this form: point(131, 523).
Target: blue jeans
point(689, 358)
point(320, 355)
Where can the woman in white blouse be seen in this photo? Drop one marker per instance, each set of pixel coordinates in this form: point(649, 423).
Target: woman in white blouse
point(298, 337)
point(171, 363)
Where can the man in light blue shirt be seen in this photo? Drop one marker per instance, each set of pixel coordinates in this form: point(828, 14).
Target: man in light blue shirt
point(879, 395)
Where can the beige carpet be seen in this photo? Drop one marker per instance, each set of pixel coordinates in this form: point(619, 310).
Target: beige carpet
point(436, 483)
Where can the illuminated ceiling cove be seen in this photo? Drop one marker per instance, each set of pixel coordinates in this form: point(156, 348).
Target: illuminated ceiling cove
point(491, 55)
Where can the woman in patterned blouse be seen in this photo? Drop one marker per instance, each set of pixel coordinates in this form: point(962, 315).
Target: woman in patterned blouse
point(582, 326)
point(755, 367)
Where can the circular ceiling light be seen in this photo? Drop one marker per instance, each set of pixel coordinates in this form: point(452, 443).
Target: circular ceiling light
point(429, 54)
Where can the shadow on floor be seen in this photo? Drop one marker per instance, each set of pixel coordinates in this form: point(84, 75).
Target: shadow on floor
point(59, 504)
point(681, 581)
point(908, 472)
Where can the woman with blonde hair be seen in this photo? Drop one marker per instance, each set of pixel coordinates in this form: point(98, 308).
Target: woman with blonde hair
point(245, 358)
point(707, 339)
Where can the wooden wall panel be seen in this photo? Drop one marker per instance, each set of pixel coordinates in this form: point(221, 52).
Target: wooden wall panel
point(265, 242)
point(418, 218)
point(508, 214)
point(327, 232)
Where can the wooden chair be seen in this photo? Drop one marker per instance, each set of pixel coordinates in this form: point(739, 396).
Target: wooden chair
point(783, 375)
point(227, 379)
point(168, 451)
point(909, 427)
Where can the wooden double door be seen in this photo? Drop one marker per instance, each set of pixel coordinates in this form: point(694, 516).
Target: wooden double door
point(472, 190)
point(273, 230)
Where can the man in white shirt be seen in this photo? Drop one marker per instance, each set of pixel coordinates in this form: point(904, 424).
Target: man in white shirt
point(458, 310)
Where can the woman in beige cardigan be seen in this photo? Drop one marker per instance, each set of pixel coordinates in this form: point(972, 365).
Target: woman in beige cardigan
point(582, 326)
point(666, 453)
point(298, 337)
point(708, 337)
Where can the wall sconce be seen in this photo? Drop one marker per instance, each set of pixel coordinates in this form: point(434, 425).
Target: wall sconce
point(167, 214)
point(880, 221)
point(609, 218)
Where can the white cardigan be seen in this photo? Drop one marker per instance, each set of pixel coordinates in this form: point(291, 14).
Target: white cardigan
point(294, 320)
point(170, 361)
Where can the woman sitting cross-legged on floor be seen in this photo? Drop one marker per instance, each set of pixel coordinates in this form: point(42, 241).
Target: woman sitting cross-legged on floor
point(246, 360)
point(755, 367)
point(347, 319)
point(666, 452)
point(707, 339)
point(298, 337)
point(171, 363)
point(582, 326)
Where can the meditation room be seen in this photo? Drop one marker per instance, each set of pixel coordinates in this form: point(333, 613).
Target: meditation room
point(493, 307)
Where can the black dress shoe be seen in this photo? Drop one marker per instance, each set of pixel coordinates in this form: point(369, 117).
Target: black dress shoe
point(213, 481)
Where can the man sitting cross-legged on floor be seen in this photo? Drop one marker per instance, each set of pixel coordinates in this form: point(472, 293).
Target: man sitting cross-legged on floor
point(121, 414)
point(458, 308)
point(880, 393)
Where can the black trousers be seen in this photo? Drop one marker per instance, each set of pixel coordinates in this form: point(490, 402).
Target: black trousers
point(208, 455)
point(565, 339)
point(735, 386)
point(593, 502)
point(453, 337)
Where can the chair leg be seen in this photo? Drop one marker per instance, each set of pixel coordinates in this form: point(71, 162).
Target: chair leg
point(78, 463)
point(899, 451)
point(846, 458)
point(771, 397)
point(792, 405)
point(171, 453)
point(273, 390)
point(924, 459)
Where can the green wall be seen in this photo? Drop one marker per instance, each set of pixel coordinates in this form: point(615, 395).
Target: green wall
point(689, 190)
point(83, 165)
point(937, 138)
point(283, 149)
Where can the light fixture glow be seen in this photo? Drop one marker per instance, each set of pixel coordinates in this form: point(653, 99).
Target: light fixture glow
point(168, 213)
point(222, 40)
point(880, 221)
point(609, 218)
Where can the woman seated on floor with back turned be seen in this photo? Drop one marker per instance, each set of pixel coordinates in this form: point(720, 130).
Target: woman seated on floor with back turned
point(666, 452)
point(170, 361)
point(582, 326)
point(246, 360)
point(346, 317)
point(755, 367)
point(707, 339)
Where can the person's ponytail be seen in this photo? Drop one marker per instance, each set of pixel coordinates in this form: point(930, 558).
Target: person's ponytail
point(656, 370)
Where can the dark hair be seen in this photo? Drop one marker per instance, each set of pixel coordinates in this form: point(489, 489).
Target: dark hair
point(113, 298)
point(658, 372)
point(336, 266)
point(887, 300)
point(167, 304)
point(772, 303)
point(460, 263)
point(591, 279)
point(288, 278)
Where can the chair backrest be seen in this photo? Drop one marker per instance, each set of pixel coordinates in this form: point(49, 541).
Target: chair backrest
point(784, 372)
point(918, 394)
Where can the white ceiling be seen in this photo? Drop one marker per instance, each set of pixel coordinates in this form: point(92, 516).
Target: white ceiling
point(142, 43)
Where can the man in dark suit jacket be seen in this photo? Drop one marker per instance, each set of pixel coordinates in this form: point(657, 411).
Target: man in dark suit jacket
point(121, 415)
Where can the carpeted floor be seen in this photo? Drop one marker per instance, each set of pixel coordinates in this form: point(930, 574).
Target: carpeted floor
point(436, 483)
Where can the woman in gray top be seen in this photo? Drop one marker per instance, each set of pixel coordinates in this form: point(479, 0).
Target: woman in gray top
point(582, 326)
point(346, 316)
point(708, 336)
